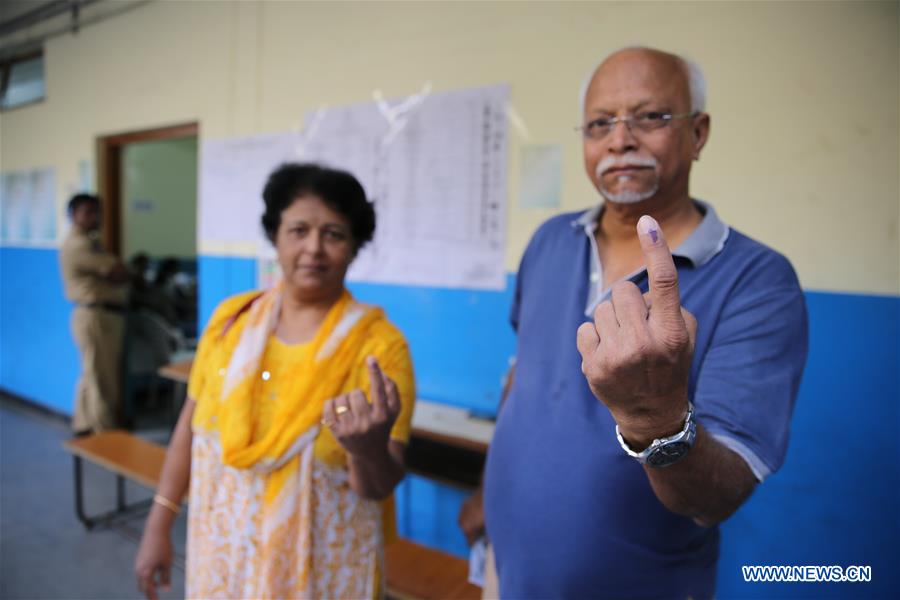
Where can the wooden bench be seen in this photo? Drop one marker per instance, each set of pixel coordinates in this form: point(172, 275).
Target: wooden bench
point(125, 455)
point(413, 571)
point(417, 572)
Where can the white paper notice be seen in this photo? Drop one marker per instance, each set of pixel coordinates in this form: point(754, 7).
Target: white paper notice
point(437, 175)
point(477, 562)
point(233, 173)
point(28, 207)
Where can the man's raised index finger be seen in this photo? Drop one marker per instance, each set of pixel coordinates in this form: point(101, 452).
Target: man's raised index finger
point(661, 272)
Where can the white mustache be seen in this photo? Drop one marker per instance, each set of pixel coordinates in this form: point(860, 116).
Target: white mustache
point(628, 160)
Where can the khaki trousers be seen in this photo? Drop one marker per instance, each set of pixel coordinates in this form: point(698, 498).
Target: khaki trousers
point(98, 335)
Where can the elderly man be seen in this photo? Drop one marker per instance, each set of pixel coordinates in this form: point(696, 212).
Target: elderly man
point(614, 459)
point(95, 281)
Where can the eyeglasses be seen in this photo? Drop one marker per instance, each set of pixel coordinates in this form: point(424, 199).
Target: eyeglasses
point(643, 122)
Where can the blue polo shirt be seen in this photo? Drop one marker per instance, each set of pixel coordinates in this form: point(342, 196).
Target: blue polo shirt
point(569, 514)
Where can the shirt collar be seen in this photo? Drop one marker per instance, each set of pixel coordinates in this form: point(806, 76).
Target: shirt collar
point(699, 248)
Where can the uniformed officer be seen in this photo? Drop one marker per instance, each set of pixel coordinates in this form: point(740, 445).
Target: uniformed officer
point(95, 281)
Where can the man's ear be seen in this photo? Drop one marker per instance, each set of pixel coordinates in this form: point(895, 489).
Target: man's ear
point(699, 133)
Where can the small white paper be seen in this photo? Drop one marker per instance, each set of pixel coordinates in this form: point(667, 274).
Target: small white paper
point(540, 184)
point(477, 555)
point(85, 176)
point(28, 206)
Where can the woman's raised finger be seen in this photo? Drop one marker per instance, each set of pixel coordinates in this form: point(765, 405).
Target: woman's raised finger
point(359, 407)
point(376, 386)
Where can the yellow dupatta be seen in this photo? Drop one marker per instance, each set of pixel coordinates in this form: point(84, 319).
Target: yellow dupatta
point(320, 377)
point(281, 489)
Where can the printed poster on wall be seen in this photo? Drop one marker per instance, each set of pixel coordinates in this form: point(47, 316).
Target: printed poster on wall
point(233, 173)
point(28, 207)
point(435, 168)
point(436, 171)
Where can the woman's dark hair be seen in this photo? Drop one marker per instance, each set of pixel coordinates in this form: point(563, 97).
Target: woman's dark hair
point(339, 190)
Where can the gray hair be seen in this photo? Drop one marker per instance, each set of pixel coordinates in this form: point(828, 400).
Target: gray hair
point(695, 77)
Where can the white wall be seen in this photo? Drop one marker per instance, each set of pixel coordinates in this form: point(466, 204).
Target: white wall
point(803, 96)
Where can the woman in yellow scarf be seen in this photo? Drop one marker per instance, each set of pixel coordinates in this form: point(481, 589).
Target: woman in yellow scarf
point(298, 412)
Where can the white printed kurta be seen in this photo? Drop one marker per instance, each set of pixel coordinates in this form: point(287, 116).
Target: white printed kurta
point(316, 538)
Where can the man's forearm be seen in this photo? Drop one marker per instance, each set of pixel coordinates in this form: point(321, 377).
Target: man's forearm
point(708, 485)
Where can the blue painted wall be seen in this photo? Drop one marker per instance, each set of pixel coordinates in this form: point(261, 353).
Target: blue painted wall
point(219, 277)
point(38, 359)
point(460, 340)
point(426, 513)
point(834, 502)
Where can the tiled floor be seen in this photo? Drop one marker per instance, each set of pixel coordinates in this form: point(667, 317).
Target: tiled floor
point(45, 552)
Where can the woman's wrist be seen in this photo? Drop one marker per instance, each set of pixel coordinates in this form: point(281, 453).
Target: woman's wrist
point(159, 521)
point(165, 502)
point(377, 454)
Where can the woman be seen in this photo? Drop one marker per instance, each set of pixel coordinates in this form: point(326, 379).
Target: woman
point(298, 411)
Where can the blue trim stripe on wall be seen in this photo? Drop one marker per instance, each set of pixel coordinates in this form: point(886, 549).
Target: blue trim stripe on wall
point(426, 513)
point(219, 277)
point(834, 502)
point(38, 359)
point(460, 340)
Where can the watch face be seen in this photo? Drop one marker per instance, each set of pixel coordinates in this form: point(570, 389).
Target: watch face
point(668, 454)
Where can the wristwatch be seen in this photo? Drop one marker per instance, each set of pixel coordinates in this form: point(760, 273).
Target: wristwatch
point(665, 451)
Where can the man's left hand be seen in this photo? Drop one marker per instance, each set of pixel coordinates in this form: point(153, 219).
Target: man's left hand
point(637, 353)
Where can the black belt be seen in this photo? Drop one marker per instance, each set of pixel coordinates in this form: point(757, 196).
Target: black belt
point(105, 306)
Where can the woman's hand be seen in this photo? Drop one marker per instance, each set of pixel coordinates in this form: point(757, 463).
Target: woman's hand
point(154, 558)
point(363, 429)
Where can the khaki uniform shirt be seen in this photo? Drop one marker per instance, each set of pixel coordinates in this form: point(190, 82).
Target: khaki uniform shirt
point(85, 266)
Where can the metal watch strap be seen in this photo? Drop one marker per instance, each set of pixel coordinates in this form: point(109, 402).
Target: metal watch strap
point(684, 437)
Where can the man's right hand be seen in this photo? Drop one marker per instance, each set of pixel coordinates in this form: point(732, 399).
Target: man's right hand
point(471, 517)
point(118, 274)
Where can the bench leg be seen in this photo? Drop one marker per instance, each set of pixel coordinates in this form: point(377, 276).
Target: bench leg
point(122, 508)
point(79, 497)
point(120, 493)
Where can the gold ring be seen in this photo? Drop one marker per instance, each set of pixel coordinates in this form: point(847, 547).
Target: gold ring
point(339, 410)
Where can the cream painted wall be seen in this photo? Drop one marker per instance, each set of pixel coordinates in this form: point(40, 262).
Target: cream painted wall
point(804, 97)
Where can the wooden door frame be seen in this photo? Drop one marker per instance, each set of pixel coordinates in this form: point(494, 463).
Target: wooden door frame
point(109, 173)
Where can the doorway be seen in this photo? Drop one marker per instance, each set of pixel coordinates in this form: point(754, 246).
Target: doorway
point(148, 182)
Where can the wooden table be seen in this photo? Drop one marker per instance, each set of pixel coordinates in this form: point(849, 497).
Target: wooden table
point(432, 421)
point(441, 435)
point(177, 371)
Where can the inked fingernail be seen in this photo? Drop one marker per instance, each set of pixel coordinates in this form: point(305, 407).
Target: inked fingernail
point(647, 225)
